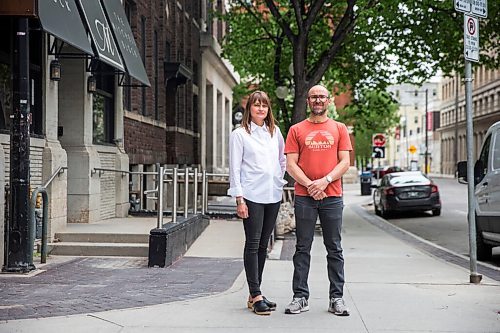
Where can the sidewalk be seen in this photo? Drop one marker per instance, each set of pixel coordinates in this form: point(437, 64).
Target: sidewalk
point(391, 287)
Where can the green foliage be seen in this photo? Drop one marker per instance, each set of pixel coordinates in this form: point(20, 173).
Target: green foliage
point(356, 43)
point(371, 112)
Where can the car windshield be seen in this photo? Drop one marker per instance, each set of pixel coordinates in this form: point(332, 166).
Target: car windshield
point(408, 179)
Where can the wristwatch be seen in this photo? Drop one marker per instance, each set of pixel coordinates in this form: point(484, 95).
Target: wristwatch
point(329, 179)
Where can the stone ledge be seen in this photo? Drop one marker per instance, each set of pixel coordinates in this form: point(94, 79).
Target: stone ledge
point(170, 243)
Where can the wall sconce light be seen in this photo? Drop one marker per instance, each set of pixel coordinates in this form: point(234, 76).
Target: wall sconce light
point(55, 70)
point(91, 84)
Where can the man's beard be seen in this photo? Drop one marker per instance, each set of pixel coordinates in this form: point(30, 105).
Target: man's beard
point(318, 112)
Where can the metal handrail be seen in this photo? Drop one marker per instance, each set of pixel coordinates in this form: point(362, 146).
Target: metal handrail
point(45, 215)
point(102, 170)
point(59, 171)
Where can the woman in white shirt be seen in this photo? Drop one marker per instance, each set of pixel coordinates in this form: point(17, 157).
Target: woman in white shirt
point(257, 165)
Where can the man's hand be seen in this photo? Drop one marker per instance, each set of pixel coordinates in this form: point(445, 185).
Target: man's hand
point(320, 196)
point(316, 187)
point(242, 210)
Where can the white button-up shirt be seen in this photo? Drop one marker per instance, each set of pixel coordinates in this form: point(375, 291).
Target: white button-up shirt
point(257, 164)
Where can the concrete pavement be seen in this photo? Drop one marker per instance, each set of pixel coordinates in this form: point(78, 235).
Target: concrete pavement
point(391, 287)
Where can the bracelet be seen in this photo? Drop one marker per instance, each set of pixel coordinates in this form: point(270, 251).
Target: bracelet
point(240, 201)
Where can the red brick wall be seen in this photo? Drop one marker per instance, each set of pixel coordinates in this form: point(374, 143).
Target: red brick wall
point(146, 143)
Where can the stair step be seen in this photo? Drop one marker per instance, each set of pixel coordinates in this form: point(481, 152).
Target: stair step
point(99, 249)
point(101, 237)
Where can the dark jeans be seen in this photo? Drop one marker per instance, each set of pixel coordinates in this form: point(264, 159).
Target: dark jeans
point(330, 214)
point(258, 228)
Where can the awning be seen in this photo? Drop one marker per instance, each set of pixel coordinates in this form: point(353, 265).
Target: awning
point(177, 73)
point(125, 38)
point(100, 31)
point(62, 20)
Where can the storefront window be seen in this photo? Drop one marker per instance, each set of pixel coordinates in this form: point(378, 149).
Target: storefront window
point(103, 107)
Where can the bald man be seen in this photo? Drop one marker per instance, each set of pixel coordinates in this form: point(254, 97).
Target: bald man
point(317, 152)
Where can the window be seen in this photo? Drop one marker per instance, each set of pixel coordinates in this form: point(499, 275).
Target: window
point(416, 106)
point(416, 93)
point(434, 92)
point(485, 152)
point(143, 54)
point(415, 120)
point(156, 74)
point(418, 130)
point(411, 132)
point(496, 151)
point(103, 110)
point(397, 93)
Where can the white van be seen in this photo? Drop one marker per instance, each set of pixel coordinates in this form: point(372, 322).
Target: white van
point(487, 192)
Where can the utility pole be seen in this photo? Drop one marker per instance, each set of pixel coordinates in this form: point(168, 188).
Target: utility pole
point(18, 247)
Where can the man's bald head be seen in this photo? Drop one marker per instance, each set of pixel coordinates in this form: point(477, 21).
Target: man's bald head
point(318, 90)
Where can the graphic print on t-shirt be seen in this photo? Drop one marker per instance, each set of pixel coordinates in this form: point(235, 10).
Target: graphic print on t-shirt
point(319, 140)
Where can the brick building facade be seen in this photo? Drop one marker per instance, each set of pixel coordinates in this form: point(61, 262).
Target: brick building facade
point(183, 119)
point(161, 124)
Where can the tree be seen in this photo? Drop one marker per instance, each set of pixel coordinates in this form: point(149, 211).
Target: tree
point(371, 112)
point(352, 43)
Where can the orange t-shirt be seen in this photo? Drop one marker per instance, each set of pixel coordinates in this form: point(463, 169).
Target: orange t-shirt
point(318, 146)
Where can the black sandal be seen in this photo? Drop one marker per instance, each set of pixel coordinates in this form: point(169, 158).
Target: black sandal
point(271, 305)
point(261, 308)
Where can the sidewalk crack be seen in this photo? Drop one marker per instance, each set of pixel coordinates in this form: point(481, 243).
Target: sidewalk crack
point(109, 321)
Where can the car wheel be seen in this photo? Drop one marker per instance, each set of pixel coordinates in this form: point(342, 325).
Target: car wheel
point(436, 212)
point(483, 251)
point(377, 211)
point(383, 212)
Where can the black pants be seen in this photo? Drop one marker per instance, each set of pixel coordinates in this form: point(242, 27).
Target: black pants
point(258, 228)
point(329, 211)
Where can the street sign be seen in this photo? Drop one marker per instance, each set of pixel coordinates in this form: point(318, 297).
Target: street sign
point(462, 6)
point(378, 152)
point(479, 8)
point(471, 38)
point(378, 140)
point(412, 149)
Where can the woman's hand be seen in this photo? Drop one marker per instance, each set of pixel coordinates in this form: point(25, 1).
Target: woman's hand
point(242, 210)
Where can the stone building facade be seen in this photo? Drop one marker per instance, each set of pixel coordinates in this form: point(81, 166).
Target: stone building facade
point(485, 108)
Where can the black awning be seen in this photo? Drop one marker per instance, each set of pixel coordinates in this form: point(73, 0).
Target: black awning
point(176, 72)
point(125, 38)
point(100, 31)
point(62, 20)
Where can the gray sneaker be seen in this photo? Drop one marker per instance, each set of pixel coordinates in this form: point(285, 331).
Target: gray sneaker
point(297, 305)
point(337, 307)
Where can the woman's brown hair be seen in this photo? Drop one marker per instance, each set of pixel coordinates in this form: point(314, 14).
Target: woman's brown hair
point(258, 96)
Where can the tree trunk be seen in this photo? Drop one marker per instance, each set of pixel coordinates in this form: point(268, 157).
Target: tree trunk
point(300, 102)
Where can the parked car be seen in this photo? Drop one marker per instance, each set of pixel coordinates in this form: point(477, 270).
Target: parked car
point(406, 191)
point(487, 192)
point(380, 172)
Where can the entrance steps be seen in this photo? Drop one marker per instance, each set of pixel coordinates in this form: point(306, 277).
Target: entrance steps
point(123, 237)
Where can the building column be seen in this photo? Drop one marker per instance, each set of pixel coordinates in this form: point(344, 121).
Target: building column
point(218, 132)
point(75, 119)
